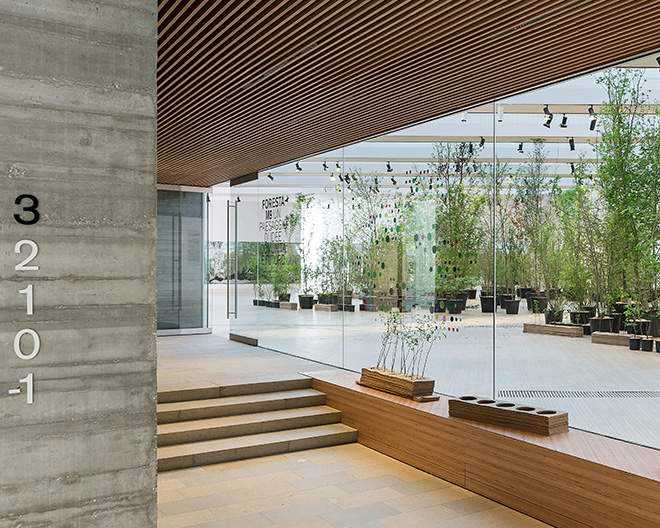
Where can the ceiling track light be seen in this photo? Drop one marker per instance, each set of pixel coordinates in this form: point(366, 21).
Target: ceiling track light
point(389, 167)
point(393, 181)
point(464, 117)
point(571, 143)
point(471, 149)
point(338, 169)
point(298, 168)
point(548, 116)
point(340, 178)
point(592, 126)
point(325, 166)
point(347, 178)
point(564, 122)
point(520, 147)
point(270, 176)
point(572, 168)
point(482, 142)
point(332, 176)
point(592, 113)
point(238, 199)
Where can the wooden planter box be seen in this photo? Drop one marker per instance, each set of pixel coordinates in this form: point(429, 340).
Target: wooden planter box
point(513, 415)
point(397, 383)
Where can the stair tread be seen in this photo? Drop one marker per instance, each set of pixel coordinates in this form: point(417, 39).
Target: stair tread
point(249, 385)
point(239, 419)
point(281, 437)
point(233, 400)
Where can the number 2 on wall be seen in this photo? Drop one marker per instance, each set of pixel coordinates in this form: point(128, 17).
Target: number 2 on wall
point(23, 266)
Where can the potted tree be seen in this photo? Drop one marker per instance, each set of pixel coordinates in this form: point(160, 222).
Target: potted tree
point(406, 345)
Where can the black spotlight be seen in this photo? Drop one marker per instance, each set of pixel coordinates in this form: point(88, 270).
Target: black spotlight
point(471, 149)
point(548, 116)
point(338, 169)
point(347, 178)
point(298, 169)
point(572, 168)
point(520, 147)
point(340, 178)
point(389, 167)
point(393, 181)
point(564, 121)
point(325, 166)
point(592, 114)
point(238, 198)
point(270, 176)
point(571, 143)
point(482, 142)
point(592, 125)
point(457, 167)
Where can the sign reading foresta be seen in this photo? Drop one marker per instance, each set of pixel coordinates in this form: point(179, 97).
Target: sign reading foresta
point(28, 249)
point(271, 223)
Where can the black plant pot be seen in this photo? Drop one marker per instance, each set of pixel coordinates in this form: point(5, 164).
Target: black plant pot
point(255, 302)
point(262, 302)
point(647, 345)
point(325, 298)
point(554, 317)
point(620, 307)
point(306, 302)
point(273, 304)
point(463, 298)
point(472, 293)
point(634, 343)
point(617, 319)
point(440, 305)
point(600, 324)
point(454, 306)
point(284, 297)
point(487, 303)
point(579, 317)
point(522, 292)
point(657, 347)
point(591, 310)
point(512, 306)
point(538, 303)
point(505, 297)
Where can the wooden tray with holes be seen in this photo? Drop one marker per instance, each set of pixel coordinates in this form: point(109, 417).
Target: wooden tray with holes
point(513, 415)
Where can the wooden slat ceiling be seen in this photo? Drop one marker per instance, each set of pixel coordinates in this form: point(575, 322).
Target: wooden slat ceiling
point(245, 85)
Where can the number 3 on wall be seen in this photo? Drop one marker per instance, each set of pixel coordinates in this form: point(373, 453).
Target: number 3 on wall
point(32, 209)
point(22, 266)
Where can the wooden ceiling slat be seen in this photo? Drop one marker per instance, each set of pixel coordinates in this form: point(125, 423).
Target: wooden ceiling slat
point(299, 112)
point(222, 70)
point(273, 97)
point(219, 124)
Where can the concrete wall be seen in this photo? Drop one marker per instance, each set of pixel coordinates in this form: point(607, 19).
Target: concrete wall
point(77, 131)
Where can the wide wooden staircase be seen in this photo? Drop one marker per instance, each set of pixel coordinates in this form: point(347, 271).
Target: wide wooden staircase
point(207, 423)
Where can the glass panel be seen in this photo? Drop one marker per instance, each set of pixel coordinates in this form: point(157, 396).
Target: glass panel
point(577, 234)
point(182, 270)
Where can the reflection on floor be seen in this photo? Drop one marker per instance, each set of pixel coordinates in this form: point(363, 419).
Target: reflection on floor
point(343, 486)
point(462, 363)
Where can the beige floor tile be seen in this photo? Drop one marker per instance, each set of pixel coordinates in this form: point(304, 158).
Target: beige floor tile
point(320, 481)
point(165, 496)
point(437, 516)
point(262, 491)
point(383, 481)
point(255, 520)
point(310, 522)
point(301, 511)
point(471, 505)
point(185, 520)
point(193, 505)
point(426, 485)
point(212, 488)
point(247, 508)
point(165, 484)
point(429, 499)
point(359, 514)
point(367, 497)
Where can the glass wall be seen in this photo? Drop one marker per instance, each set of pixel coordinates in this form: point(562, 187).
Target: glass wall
point(182, 261)
point(468, 235)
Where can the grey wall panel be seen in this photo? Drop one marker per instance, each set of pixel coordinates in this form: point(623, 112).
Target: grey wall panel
point(77, 131)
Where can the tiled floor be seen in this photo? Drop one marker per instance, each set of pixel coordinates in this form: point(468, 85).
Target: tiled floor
point(344, 486)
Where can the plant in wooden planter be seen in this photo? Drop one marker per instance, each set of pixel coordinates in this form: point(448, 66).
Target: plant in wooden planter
point(406, 344)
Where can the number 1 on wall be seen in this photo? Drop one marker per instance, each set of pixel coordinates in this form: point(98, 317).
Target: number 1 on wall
point(30, 299)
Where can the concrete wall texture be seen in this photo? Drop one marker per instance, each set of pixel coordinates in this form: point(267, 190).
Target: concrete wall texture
point(78, 133)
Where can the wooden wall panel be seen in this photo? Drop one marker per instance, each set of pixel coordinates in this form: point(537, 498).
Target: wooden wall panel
point(573, 480)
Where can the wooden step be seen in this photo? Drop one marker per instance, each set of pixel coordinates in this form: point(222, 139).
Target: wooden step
point(247, 424)
point(233, 405)
point(237, 448)
point(205, 390)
